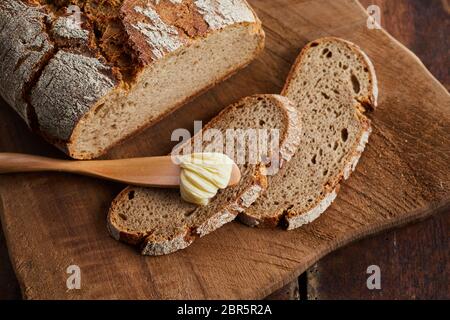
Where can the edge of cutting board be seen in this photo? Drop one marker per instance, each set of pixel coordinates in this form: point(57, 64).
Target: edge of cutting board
point(255, 267)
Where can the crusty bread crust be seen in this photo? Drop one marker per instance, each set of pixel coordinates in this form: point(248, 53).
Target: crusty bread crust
point(69, 77)
point(189, 21)
point(68, 146)
point(24, 49)
point(290, 218)
point(293, 134)
point(156, 246)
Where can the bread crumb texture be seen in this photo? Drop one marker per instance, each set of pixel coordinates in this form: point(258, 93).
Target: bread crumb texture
point(161, 222)
point(333, 84)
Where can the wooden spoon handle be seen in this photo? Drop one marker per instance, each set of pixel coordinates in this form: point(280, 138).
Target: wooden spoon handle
point(146, 172)
point(15, 162)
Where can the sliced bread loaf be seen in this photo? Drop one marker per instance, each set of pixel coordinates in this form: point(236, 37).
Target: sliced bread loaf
point(87, 74)
point(161, 222)
point(333, 84)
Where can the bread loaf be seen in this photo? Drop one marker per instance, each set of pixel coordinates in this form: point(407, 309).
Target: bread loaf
point(160, 222)
point(88, 74)
point(333, 84)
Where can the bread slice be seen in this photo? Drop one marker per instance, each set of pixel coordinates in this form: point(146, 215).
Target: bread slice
point(333, 84)
point(87, 80)
point(161, 222)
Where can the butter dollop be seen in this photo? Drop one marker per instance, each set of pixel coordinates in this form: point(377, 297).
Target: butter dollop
point(202, 175)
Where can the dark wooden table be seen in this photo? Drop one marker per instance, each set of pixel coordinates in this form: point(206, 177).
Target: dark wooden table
point(414, 260)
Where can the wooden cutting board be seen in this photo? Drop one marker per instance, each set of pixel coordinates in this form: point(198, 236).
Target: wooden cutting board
point(52, 221)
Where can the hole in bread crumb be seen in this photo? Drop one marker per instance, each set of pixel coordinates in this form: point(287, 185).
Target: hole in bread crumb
point(123, 217)
point(189, 213)
point(131, 195)
point(355, 83)
point(314, 159)
point(325, 95)
point(330, 54)
point(262, 122)
point(344, 134)
point(314, 44)
point(336, 145)
point(99, 107)
point(325, 172)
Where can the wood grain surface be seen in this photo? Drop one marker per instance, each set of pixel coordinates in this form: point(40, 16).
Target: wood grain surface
point(414, 264)
point(415, 259)
point(52, 221)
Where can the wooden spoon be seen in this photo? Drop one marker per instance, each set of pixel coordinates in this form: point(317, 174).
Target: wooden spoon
point(146, 172)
